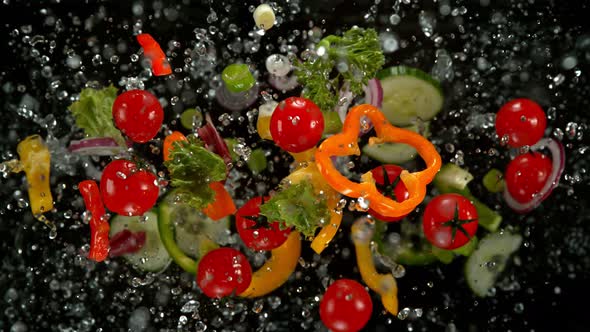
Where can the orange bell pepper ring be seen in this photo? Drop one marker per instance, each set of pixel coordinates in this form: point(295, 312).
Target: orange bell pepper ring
point(345, 144)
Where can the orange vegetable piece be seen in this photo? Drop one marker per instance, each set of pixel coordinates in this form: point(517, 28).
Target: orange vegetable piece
point(153, 51)
point(223, 205)
point(345, 144)
point(169, 141)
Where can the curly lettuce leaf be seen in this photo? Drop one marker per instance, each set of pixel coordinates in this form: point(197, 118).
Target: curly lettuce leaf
point(322, 76)
point(297, 206)
point(94, 113)
point(192, 168)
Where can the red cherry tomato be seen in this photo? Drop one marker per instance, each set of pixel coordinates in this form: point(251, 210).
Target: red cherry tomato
point(223, 272)
point(138, 114)
point(449, 221)
point(522, 121)
point(127, 190)
point(526, 175)
point(296, 124)
point(388, 182)
point(256, 232)
point(346, 306)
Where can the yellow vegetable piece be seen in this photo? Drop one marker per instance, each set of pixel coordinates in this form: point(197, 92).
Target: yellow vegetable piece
point(35, 160)
point(383, 284)
point(277, 269)
point(263, 123)
point(311, 174)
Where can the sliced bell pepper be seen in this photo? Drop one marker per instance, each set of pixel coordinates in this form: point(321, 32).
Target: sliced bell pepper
point(277, 269)
point(176, 136)
point(345, 144)
point(99, 226)
point(35, 160)
point(383, 284)
point(223, 205)
point(153, 51)
point(311, 174)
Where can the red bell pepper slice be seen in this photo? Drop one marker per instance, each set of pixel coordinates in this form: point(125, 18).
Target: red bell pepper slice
point(99, 227)
point(152, 50)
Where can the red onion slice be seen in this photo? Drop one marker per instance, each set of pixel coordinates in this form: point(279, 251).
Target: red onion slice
point(374, 93)
point(345, 98)
point(209, 134)
point(96, 146)
point(126, 242)
point(558, 160)
point(283, 83)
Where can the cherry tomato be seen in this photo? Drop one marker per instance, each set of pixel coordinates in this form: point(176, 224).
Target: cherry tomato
point(522, 121)
point(296, 124)
point(256, 232)
point(346, 306)
point(223, 272)
point(127, 190)
point(449, 221)
point(526, 175)
point(389, 183)
point(138, 114)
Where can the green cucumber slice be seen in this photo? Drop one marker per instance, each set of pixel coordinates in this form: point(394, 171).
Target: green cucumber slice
point(257, 161)
point(152, 256)
point(486, 263)
point(493, 181)
point(409, 94)
point(395, 153)
point(332, 123)
point(187, 234)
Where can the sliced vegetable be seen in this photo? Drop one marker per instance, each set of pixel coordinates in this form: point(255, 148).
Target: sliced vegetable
point(152, 256)
point(176, 136)
point(332, 123)
point(238, 78)
point(412, 249)
point(138, 114)
point(277, 269)
point(153, 51)
point(383, 284)
point(93, 113)
point(395, 153)
point(128, 190)
point(359, 49)
point(454, 179)
point(345, 144)
point(493, 181)
point(126, 242)
point(558, 164)
point(97, 146)
point(265, 112)
point(209, 134)
point(409, 94)
point(374, 93)
point(35, 160)
point(192, 168)
point(489, 260)
point(99, 226)
point(264, 16)
point(222, 205)
point(191, 118)
point(257, 161)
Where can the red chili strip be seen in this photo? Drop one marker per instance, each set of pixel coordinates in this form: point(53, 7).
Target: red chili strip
point(99, 227)
point(152, 50)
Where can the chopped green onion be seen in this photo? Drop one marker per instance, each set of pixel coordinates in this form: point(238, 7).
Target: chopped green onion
point(191, 118)
point(493, 181)
point(332, 123)
point(257, 161)
point(238, 78)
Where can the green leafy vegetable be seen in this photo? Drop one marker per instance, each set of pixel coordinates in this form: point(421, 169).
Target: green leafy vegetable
point(355, 58)
point(192, 167)
point(94, 113)
point(298, 206)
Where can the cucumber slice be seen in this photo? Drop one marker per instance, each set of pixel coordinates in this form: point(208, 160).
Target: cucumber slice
point(257, 161)
point(489, 260)
point(394, 153)
point(409, 94)
point(413, 249)
point(187, 234)
point(152, 256)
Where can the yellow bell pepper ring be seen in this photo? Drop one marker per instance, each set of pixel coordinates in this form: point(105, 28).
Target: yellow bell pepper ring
point(345, 144)
point(383, 284)
point(35, 160)
point(277, 269)
point(310, 173)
